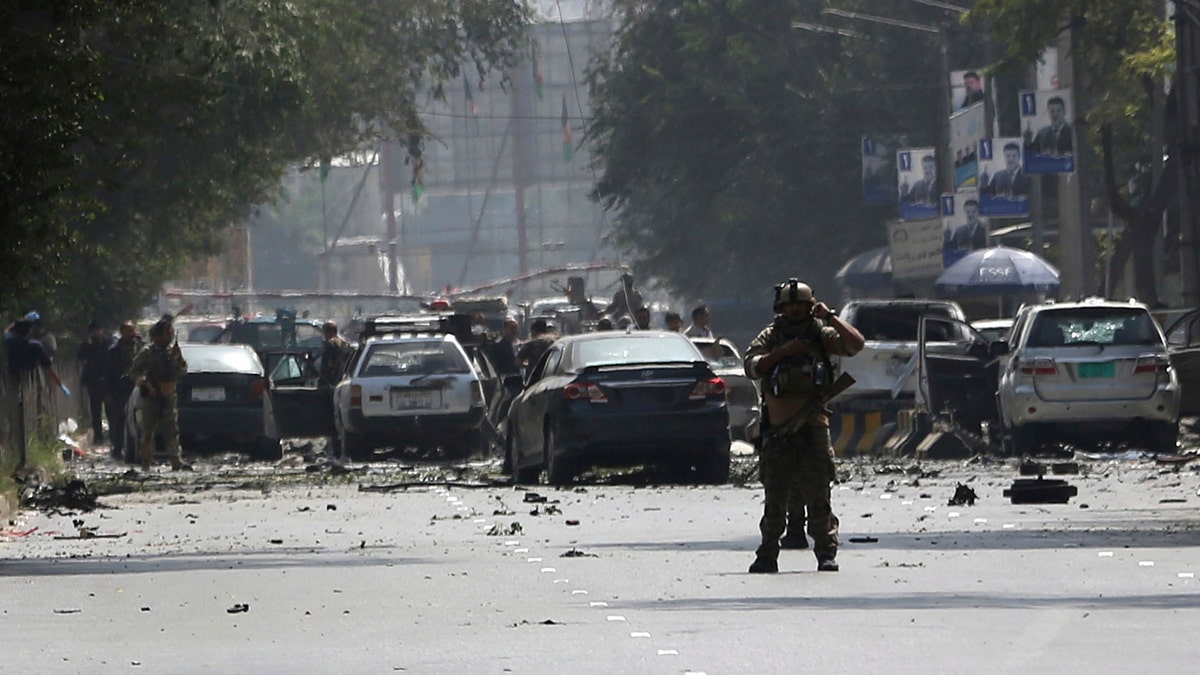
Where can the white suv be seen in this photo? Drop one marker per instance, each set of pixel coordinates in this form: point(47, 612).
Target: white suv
point(410, 389)
point(1088, 372)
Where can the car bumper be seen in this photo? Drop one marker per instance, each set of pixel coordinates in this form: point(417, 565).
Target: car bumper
point(619, 439)
point(416, 428)
point(1027, 408)
point(215, 425)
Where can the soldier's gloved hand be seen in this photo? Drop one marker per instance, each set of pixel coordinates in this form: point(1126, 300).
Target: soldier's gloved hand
point(66, 392)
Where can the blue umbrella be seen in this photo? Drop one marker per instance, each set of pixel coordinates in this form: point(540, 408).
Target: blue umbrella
point(997, 271)
point(871, 268)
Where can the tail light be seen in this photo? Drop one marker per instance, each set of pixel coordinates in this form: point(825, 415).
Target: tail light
point(1039, 367)
point(356, 396)
point(706, 388)
point(258, 387)
point(581, 391)
point(1152, 364)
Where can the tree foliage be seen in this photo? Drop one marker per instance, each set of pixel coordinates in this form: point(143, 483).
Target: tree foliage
point(139, 129)
point(1123, 52)
point(728, 141)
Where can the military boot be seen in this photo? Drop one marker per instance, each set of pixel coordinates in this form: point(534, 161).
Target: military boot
point(764, 565)
point(827, 564)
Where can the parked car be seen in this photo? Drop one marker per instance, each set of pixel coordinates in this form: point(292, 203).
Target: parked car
point(270, 336)
point(993, 329)
point(619, 399)
point(741, 392)
point(419, 381)
point(224, 404)
point(1088, 372)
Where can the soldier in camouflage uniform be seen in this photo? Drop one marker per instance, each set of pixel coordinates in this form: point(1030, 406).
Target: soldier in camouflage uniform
point(156, 371)
point(791, 357)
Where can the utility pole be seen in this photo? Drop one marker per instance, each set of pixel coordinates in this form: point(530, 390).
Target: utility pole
point(1076, 245)
point(387, 169)
point(520, 133)
point(1187, 55)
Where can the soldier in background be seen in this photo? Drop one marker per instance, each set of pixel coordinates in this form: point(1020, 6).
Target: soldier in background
point(120, 359)
point(156, 371)
point(334, 353)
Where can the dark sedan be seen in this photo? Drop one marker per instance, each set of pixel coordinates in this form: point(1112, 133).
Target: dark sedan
point(619, 399)
point(224, 404)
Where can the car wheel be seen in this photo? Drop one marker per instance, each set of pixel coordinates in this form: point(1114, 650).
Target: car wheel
point(558, 470)
point(267, 448)
point(1164, 438)
point(714, 467)
point(1020, 442)
point(354, 447)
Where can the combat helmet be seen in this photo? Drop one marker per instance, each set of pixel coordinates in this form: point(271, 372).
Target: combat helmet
point(792, 290)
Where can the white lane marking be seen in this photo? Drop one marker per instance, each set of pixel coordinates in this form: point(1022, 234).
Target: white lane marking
point(512, 543)
point(1187, 575)
point(1145, 563)
point(533, 560)
point(668, 652)
point(613, 617)
point(561, 581)
point(598, 603)
point(1104, 554)
point(548, 570)
point(578, 592)
point(639, 634)
point(521, 550)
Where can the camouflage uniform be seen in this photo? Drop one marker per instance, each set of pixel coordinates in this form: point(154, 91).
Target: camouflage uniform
point(160, 412)
point(802, 461)
point(334, 355)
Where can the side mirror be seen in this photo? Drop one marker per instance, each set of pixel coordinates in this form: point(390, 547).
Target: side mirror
point(998, 348)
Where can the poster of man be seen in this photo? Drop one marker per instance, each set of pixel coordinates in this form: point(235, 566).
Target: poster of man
point(879, 168)
point(967, 88)
point(1003, 182)
point(966, 128)
point(916, 175)
point(963, 230)
point(1047, 132)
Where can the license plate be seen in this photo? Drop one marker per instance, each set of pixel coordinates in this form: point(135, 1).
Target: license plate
point(1099, 369)
point(208, 394)
point(416, 400)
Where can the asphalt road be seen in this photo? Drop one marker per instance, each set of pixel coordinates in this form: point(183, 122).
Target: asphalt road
point(340, 573)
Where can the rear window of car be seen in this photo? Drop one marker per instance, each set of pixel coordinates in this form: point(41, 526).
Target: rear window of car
point(610, 351)
point(899, 323)
point(413, 358)
point(220, 359)
point(1092, 325)
point(720, 355)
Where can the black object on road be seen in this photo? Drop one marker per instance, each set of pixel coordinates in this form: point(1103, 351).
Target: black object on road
point(1040, 491)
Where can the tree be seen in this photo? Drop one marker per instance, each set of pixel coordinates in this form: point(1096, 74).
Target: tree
point(1122, 51)
point(727, 142)
point(143, 128)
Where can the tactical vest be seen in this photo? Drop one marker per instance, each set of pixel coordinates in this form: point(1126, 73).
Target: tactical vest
point(806, 375)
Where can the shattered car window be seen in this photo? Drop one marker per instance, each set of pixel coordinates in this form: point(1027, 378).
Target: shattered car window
point(413, 358)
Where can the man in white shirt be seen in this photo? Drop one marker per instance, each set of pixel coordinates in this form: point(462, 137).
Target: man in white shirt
point(700, 321)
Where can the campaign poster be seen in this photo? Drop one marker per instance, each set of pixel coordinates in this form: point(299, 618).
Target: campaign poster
point(917, 183)
point(1003, 181)
point(967, 88)
point(963, 230)
point(879, 168)
point(1047, 134)
point(966, 128)
point(916, 248)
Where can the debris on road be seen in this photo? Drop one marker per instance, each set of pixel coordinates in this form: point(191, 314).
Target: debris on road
point(498, 530)
point(73, 495)
point(576, 553)
point(963, 495)
point(534, 498)
point(864, 540)
point(572, 522)
point(238, 608)
point(1040, 491)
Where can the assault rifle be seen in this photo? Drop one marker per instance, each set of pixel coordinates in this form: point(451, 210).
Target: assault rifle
point(797, 421)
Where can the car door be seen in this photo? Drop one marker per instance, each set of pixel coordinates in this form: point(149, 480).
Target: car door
point(531, 407)
point(961, 380)
point(1183, 344)
point(302, 409)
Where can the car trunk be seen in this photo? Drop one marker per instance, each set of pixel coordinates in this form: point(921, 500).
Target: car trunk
point(647, 388)
point(1089, 376)
point(216, 389)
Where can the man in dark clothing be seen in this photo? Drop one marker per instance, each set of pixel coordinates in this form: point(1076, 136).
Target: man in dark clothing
point(120, 358)
point(626, 300)
point(334, 353)
point(93, 360)
point(540, 339)
point(25, 355)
